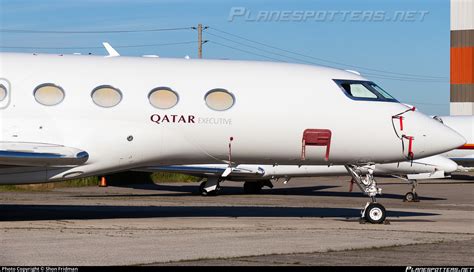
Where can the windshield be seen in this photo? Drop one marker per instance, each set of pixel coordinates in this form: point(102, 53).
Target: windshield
point(363, 90)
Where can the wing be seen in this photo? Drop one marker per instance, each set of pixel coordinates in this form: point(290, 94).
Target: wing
point(466, 161)
point(40, 154)
point(204, 170)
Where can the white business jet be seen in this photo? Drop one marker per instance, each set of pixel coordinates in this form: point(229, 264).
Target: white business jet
point(69, 116)
point(464, 155)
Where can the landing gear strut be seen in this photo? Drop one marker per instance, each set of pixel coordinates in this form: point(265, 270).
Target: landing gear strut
point(210, 187)
point(373, 212)
point(412, 196)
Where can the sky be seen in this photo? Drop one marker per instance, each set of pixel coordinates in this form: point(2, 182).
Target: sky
point(403, 46)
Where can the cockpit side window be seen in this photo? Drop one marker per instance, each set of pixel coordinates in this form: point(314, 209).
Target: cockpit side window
point(381, 91)
point(358, 90)
point(363, 90)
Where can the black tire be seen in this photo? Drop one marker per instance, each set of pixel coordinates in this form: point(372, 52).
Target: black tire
point(375, 213)
point(410, 197)
point(252, 187)
point(201, 188)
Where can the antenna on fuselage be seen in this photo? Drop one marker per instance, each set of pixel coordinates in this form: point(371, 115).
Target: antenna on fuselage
point(110, 50)
point(354, 72)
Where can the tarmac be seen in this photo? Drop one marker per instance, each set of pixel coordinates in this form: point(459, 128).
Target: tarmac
point(309, 221)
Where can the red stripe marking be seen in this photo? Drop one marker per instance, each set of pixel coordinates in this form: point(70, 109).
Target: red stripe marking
point(467, 146)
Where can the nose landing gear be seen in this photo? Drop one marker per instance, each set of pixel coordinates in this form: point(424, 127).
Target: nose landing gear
point(373, 212)
point(412, 196)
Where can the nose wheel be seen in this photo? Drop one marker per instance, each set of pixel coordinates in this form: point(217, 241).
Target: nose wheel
point(373, 212)
point(412, 196)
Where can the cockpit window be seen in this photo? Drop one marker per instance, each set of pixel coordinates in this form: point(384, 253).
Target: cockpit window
point(381, 91)
point(363, 90)
point(358, 90)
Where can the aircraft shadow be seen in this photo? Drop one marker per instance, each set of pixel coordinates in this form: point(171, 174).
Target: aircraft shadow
point(192, 189)
point(462, 177)
point(16, 212)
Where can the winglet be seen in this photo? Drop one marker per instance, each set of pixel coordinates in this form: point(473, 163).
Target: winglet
point(110, 50)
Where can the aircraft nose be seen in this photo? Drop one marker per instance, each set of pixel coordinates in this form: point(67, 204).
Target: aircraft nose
point(432, 137)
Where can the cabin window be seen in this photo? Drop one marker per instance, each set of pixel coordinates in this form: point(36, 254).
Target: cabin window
point(3, 92)
point(219, 99)
point(49, 94)
point(363, 90)
point(106, 96)
point(163, 98)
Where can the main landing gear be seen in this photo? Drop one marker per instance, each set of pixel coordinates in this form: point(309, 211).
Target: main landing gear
point(373, 211)
point(412, 196)
point(210, 187)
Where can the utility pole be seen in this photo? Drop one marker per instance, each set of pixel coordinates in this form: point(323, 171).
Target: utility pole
point(199, 29)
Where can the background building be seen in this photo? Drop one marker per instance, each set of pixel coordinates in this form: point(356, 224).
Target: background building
point(462, 57)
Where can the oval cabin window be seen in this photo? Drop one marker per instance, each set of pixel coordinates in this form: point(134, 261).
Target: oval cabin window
point(3, 92)
point(49, 94)
point(163, 98)
point(219, 99)
point(106, 96)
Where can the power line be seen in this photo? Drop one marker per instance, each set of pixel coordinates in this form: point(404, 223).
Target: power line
point(328, 61)
point(30, 31)
point(407, 79)
point(426, 104)
point(320, 59)
point(393, 76)
point(382, 76)
point(245, 51)
point(254, 47)
point(280, 60)
point(97, 47)
point(375, 75)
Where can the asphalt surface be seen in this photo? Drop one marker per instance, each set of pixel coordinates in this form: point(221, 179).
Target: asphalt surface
point(309, 221)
